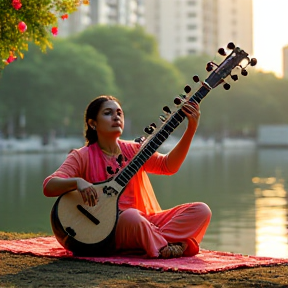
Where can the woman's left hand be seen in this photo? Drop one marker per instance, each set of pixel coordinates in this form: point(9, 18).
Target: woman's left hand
point(177, 155)
point(192, 112)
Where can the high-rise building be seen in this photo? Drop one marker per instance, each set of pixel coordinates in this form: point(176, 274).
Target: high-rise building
point(109, 12)
point(76, 22)
point(181, 27)
point(184, 27)
point(285, 62)
point(235, 23)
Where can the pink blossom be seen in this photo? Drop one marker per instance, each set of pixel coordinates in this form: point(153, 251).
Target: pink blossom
point(22, 27)
point(11, 58)
point(64, 16)
point(54, 31)
point(16, 4)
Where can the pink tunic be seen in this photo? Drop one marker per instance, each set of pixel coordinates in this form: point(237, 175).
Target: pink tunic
point(142, 225)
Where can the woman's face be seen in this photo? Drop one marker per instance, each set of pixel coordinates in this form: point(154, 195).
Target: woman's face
point(110, 119)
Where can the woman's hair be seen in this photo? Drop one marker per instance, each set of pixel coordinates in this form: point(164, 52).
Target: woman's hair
point(91, 112)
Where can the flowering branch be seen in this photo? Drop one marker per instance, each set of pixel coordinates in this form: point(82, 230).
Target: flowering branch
point(24, 21)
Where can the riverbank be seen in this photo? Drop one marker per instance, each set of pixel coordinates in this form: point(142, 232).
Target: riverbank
point(30, 271)
point(36, 144)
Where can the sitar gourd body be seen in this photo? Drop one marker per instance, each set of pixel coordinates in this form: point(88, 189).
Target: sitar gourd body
point(86, 230)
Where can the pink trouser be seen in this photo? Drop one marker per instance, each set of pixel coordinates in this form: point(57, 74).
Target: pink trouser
point(186, 223)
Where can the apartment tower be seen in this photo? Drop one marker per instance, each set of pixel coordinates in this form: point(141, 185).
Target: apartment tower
point(184, 27)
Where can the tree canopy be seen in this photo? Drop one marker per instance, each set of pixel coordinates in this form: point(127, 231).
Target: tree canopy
point(141, 75)
point(24, 21)
point(245, 106)
point(52, 89)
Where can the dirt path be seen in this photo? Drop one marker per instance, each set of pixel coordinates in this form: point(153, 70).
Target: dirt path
point(29, 271)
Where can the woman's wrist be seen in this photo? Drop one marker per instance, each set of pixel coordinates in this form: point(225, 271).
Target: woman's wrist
point(81, 184)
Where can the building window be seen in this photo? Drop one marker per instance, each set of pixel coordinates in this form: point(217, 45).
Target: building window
point(191, 3)
point(191, 39)
point(191, 51)
point(191, 26)
point(191, 15)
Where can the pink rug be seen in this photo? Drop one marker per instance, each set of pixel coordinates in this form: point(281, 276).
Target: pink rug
point(204, 262)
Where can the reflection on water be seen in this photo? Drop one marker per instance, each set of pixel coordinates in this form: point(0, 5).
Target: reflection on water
point(245, 189)
point(23, 208)
point(271, 203)
point(271, 216)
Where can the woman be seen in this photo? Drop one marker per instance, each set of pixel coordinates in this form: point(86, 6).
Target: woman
point(142, 224)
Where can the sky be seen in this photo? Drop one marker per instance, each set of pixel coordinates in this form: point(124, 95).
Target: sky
point(270, 33)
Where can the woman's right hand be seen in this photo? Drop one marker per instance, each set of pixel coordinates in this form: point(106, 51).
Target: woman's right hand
point(87, 191)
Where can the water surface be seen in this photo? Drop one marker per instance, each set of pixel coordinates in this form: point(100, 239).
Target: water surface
point(245, 189)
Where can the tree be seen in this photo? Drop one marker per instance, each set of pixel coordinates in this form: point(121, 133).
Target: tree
point(54, 88)
point(193, 65)
point(245, 106)
point(142, 76)
point(24, 21)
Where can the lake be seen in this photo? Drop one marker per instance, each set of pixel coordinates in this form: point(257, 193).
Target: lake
point(245, 187)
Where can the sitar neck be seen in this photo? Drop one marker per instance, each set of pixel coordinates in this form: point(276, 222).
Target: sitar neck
point(154, 141)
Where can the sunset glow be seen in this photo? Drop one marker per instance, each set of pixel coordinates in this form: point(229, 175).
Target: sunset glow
point(270, 33)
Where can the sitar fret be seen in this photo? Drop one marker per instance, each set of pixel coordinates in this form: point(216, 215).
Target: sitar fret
point(157, 140)
point(149, 149)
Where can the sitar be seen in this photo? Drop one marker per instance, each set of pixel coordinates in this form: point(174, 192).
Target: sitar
point(90, 231)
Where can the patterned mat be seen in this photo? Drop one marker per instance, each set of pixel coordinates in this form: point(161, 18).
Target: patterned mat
point(205, 262)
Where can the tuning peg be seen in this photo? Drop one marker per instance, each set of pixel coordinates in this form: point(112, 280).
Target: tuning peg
point(140, 139)
point(166, 109)
point(234, 77)
point(177, 101)
point(187, 89)
point(226, 86)
point(244, 72)
point(209, 67)
point(222, 52)
point(162, 118)
point(149, 129)
point(231, 45)
point(196, 78)
point(253, 61)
